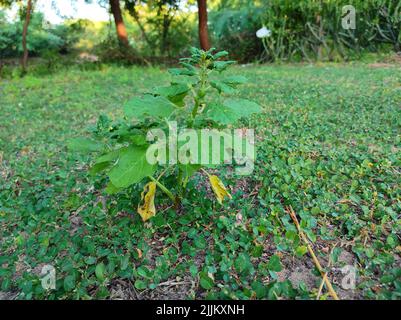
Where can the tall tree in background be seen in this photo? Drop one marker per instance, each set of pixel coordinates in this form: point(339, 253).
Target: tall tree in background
point(28, 11)
point(203, 33)
point(119, 21)
point(115, 9)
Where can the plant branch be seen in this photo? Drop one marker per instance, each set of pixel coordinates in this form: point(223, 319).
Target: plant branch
point(163, 188)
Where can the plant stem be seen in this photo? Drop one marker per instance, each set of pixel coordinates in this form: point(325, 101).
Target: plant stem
point(207, 173)
point(201, 91)
point(164, 189)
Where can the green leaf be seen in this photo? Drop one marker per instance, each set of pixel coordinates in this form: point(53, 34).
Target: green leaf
point(222, 87)
point(99, 272)
point(143, 271)
point(104, 161)
point(235, 80)
point(175, 93)
point(222, 65)
point(220, 54)
point(260, 289)
point(228, 84)
point(99, 167)
point(222, 114)
point(182, 72)
point(131, 167)
point(69, 283)
point(257, 251)
point(138, 139)
point(90, 260)
point(193, 270)
point(243, 107)
point(243, 264)
point(274, 264)
point(140, 284)
point(112, 189)
point(149, 106)
point(84, 145)
point(301, 250)
point(188, 170)
point(205, 281)
point(232, 110)
point(109, 157)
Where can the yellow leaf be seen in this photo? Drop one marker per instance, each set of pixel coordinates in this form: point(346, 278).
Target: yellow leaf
point(218, 188)
point(147, 210)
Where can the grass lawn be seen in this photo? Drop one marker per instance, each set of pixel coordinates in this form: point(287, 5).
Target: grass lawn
point(329, 145)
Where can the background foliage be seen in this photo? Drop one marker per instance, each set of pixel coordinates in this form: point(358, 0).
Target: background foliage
point(159, 30)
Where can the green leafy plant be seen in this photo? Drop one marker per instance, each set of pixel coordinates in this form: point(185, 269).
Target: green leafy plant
point(195, 99)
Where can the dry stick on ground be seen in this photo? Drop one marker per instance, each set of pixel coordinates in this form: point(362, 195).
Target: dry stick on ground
point(312, 253)
point(325, 275)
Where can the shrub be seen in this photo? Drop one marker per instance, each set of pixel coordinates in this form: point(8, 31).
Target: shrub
point(234, 29)
point(42, 39)
point(194, 100)
point(312, 30)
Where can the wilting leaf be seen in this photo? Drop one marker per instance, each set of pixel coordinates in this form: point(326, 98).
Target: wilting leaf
point(147, 209)
point(218, 188)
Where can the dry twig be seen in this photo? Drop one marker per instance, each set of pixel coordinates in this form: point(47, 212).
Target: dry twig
point(312, 253)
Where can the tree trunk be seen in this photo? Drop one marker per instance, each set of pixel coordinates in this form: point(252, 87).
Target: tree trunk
point(203, 33)
point(118, 19)
point(24, 60)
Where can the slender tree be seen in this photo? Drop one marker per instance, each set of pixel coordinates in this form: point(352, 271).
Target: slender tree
point(203, 33)
point(119, 21)
point(115, 9)
point(28, 11)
